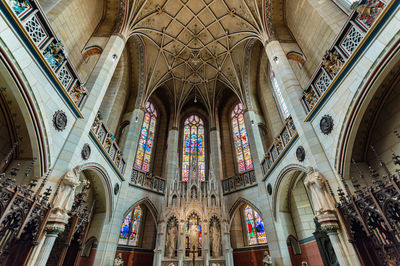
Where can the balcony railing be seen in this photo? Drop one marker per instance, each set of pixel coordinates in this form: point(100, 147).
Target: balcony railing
point(239, 182)
point(148, 181)
point(281, 144)
point(34, 29)
point(108, 145)
point(338, 57)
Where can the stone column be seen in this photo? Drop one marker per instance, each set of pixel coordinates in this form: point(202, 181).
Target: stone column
point(132, 140)
point(159, 251)
point(330, 224)
point(226, 244)
point(53, 229)
point(206, 243)
point(181, 243)
point(172, 155)
point(292, 92)
point(97, 85)
point(215, 153)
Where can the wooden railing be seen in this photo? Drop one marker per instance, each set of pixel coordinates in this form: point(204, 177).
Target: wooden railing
point(23, 215)
point(340, 53)
point(279, 146)
point(46, 48)
point(239, 182)
point(107, 140)
point(148, 181)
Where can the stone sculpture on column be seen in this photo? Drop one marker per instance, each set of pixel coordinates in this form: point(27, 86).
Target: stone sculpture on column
point(171, 241)
point(267, 259)
point(321, 198)
point(216, 241)
point(66, 192)
point(118, 261)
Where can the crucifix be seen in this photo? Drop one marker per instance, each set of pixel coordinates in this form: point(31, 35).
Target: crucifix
point(193, 251)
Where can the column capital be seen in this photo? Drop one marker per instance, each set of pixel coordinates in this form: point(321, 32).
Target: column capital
point(329, 222)
point(55, 228)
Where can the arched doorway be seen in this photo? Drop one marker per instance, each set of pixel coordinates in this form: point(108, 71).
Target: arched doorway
point(293, 210)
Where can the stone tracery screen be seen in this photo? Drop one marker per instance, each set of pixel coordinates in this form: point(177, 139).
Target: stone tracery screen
point(255, 227)
point(129, 234)
point(146, 140)
point(242, 148)
point(193, 157)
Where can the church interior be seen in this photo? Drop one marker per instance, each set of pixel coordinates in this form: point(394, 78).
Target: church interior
point(200, 132)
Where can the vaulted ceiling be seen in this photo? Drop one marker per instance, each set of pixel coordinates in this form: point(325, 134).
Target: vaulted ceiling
point(193, 46)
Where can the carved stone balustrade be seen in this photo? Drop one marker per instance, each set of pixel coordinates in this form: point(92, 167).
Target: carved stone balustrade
point(239, 182)
point(105, 140)
point(342, 52)
point(281, 144)
point(148, 182)
point(30, 23)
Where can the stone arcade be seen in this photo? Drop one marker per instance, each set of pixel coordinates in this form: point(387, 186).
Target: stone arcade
point(199, 132)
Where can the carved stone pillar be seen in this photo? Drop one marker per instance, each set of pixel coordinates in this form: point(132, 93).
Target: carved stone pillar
point(181, 242)
point(215, 153)
point(159, 251)
point(330, 224)
point(172, 155)
point(53, 229)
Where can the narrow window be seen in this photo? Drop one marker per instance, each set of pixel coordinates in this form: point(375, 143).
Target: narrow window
point(279, 96)
point(129, 234)
point(255, 227)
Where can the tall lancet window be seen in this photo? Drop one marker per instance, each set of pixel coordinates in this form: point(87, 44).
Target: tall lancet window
point(129, 234)
point(193, 157)
point(255, 227)
point(242, 148)
point(279, 96)
point(146, 140)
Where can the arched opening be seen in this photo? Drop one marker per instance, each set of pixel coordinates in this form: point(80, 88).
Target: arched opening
point(294, 211)
point(137, 236)
point(248, 236)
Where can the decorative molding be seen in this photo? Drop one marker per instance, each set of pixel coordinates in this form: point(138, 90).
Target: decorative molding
point(60, 120)
point(326, 124)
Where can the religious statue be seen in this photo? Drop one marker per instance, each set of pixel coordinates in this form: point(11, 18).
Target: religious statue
point(332, 62)
point(216, 241)
point(64, 199)
point(368, 10)
point(194, 235)
point(19, 5)
point(267, 259)
point(171, 241)
point(316, 184)
point(54, 54)
point(118, 261)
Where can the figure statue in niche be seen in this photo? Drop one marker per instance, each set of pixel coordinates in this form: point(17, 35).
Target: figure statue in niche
point(267, 259)
point(65, 197)
point(171, 241)
point(332, 62)
point(311, 98)
point(368, 10)
point(321, 199)
point(19, 5)
point(54, 54)
point(76, 94)
point(216, 241)
point(118, 261)
point(194, 236)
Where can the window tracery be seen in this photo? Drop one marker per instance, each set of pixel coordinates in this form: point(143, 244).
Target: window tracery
point(146, 140)
point(129, 234)
point(242, 147)
point(255, 227)
point(193, 157)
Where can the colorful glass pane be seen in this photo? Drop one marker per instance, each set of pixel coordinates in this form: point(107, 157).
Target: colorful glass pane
point(278, 93)
point(143, 154)
point(242, 148)
point(129, 234)
point(123, 236)
point(193, 158)
point(255, 227)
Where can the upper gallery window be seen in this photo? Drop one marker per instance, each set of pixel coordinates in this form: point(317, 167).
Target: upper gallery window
point(240, 140)
point(129, 234)
point(279, 96)
point(193, 157)
point(255, 227)
point(146, 140)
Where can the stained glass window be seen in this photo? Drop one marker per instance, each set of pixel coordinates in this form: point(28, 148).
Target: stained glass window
point(242, 148)
point(255, 227)
point(278, 93)
point(143, 154)
point(193, 158)
point(129, 234)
